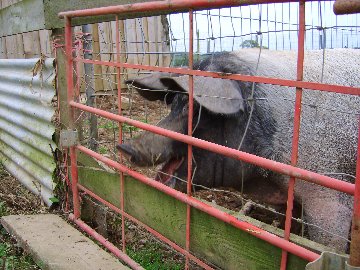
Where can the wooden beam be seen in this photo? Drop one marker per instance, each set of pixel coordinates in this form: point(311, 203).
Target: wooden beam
point(24, 16)
point(52, 8)
point(31, 15)
point(212, 240)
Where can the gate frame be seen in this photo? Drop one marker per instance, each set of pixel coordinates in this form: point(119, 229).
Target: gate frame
point(291, 170)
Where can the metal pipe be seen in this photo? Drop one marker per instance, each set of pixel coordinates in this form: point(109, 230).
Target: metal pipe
point(190, 130)
point(179, 5)
point(165, 6)
point(242, 225)
point(275, 166)
point(149, 229)
point(296, 130)
point(355, 228)
point(118, 78)
point(247, 78)
point(117, 252)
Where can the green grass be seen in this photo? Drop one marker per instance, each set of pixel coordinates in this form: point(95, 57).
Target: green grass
point(152, 257)
point(129, 128)
point(11, 257)
point(102, 150)
point(114, 125)
point(3, 209)
point(109, 125)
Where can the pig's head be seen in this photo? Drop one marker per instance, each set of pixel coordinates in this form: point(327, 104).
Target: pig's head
point(214, 100)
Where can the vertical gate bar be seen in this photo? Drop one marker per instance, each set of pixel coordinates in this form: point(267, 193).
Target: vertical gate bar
point(190, 121)
point(70, 97)
point(102, 240)
point(355, 227)
point(78, 48)
point(296, 129)
point(118, 78)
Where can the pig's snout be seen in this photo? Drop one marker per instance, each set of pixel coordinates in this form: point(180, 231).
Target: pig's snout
point(129, 152)
point(139, 155)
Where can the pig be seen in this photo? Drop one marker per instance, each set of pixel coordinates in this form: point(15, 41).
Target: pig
point(258, 119)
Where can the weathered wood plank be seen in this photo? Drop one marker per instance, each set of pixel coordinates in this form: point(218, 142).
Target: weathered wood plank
point(123, 71)
point(15, 47)
point(3, 50)
point(165, 40)
point(6, 3)
point(24, 16)
point(52, 8)
point(45, 43)
point(152, 41)
point(211, 239)
point(31, 15)
point(99, 85)
point(31, 41)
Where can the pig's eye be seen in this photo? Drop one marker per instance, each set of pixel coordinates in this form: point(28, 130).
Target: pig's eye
point(185, 109)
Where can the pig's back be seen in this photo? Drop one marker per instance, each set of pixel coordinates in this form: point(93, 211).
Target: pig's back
point(328, 135)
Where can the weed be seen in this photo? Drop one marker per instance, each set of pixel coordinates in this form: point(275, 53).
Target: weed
point(129, 128)
point(102, 150)
point(152, 257)
point(109, 125)
point(3, 209)
point(10, 259)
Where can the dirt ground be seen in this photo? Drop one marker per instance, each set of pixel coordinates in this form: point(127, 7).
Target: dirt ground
point(18, 199)
point(15, 200)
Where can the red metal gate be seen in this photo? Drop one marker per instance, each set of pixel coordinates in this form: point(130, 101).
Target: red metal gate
point(291, 170)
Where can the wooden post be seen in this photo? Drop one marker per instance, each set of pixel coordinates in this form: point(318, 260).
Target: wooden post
point(99, 86)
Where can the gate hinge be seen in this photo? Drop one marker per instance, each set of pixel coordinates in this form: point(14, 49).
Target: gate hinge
point(68, 137)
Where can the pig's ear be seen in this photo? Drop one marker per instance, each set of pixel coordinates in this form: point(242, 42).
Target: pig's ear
point(151, 87)
point(216, 95)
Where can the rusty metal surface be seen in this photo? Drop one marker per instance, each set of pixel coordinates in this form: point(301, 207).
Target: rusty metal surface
point(26, 90)
point(342, 7)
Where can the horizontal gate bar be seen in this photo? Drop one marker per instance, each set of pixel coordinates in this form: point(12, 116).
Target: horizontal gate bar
point(168, 5)
point(149, 229)
point(258, 79)
point(229, 152)
point(117, 252)
point(242, 225)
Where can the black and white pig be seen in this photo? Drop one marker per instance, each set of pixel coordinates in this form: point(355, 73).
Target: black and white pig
point(328, 133)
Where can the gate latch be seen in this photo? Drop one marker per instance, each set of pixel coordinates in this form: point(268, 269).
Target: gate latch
point(68, 137)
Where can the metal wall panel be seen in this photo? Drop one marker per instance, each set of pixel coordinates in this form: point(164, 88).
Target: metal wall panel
point(27, 87)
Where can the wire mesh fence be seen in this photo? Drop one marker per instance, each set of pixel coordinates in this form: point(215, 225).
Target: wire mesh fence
point(265, 27)
point(270, 26)
point(230, 29)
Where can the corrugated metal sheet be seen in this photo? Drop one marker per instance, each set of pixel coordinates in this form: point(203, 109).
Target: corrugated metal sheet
point(26, 130)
